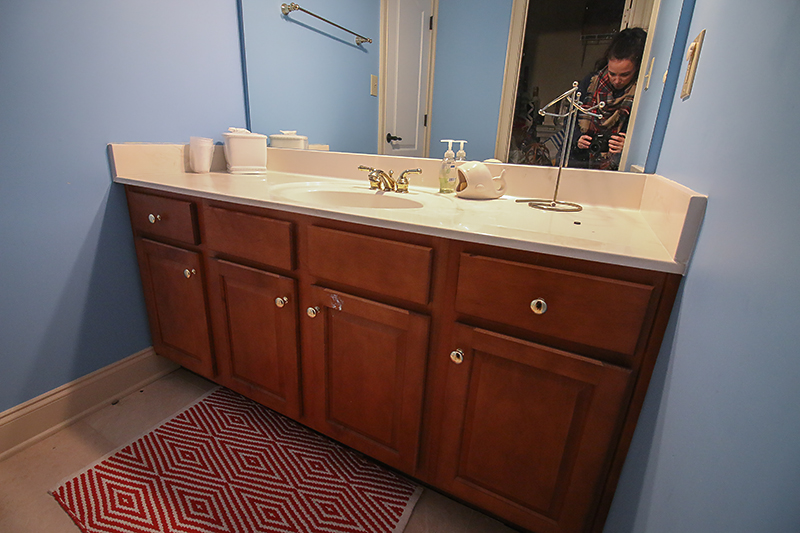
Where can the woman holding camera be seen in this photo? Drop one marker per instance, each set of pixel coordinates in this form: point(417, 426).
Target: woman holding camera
point(600, 140)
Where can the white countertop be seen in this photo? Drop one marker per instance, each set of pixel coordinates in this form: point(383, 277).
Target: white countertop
point(653, 225)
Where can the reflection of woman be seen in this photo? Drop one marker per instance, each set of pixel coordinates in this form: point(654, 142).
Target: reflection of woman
point(600, 141)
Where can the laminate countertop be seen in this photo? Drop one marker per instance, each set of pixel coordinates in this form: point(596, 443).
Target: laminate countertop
point(638, 220)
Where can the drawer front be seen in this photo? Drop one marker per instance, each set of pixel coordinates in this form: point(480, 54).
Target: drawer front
point(387, 267)
point(590, 310)
point(265, 240)
point(163, 217)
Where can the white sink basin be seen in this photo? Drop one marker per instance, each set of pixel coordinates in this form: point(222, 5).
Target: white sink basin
point(351, 196)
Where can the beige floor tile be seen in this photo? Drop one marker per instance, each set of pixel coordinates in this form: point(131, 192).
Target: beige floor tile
point(435, 513)
point(26, 477)
point(136, 414)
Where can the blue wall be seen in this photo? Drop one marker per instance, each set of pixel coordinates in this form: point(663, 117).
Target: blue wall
point(309, 76)
point(75, 76)
point(717, 449)
point(471, 42)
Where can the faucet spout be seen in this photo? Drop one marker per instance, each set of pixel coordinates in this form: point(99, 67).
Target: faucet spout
point(386, 181)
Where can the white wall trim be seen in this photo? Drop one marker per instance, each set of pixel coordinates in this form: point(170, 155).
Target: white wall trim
point(40, 417)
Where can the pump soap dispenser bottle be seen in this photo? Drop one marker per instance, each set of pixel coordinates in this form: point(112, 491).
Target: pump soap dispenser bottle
point(461, 155)
point(447, 174)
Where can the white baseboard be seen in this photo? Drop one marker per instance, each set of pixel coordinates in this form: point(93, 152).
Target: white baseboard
point(40, 417)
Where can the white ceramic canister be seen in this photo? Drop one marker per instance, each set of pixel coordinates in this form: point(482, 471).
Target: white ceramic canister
point(245, 152)
point(288, 139)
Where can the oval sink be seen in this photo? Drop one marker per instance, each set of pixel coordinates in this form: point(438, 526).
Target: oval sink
point(351, 197)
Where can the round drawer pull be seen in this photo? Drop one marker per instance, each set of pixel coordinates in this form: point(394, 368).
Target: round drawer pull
point(189, 273)
point(312, 312)
point(539, 306)
point(153, 218)
point(457, 356)
point(281, 301)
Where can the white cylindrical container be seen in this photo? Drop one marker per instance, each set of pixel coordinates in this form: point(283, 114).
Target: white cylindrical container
point(201, 152)
point(288, 139)
point(245, 152)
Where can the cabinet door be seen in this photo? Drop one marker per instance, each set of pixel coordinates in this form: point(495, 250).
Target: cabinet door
point(368, 363)
point(255, 321)
point(175, 297)
point(528, 430)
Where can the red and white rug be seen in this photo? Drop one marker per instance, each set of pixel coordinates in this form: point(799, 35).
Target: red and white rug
point(227, 464)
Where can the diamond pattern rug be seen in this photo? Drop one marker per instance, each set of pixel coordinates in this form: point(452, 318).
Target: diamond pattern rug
point(227, 464)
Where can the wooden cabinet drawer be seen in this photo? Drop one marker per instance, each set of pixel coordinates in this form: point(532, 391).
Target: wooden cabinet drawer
point(594, 311)
point(163, 217)
point(262, 239)
point(384, 266)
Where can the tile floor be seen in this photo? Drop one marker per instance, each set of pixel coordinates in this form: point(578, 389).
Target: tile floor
point(25, 478)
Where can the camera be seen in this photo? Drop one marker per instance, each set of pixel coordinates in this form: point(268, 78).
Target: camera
point(599, 143)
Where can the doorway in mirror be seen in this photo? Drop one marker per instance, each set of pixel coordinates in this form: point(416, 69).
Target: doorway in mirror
point(562, 42)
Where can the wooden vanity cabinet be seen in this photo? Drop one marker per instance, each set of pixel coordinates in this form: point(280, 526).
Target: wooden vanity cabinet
point(171, 267)
point(254, 308)
point(536, 411)
point(528, 430)
point(255, 325)
point(367, 357)
point(367, 365)
point(509, 379)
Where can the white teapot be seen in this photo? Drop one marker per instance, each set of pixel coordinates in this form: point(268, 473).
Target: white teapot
point(476, 182)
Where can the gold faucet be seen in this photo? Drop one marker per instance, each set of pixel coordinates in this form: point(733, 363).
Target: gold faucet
point(378, 179)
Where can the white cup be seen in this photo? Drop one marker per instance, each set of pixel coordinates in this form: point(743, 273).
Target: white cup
point(201, 152)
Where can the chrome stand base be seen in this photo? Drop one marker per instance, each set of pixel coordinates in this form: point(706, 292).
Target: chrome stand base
point(554, 205)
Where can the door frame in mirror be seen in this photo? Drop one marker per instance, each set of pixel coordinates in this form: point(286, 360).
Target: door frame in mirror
point(516, 40)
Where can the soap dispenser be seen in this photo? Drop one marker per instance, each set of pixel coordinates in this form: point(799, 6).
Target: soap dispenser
point(461, 155)
point(447, 174)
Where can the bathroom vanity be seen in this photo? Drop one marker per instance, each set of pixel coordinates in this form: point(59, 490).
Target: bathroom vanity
point(504, 363)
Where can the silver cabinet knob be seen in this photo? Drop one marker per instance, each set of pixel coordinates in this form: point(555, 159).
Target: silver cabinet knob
point(312, 311)
point(189, 273)
point(539, 306)
point(457, 356)
point(280, 301)
point(153, 218)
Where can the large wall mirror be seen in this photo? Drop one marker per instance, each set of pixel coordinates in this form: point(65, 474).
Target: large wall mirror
point(305, 75)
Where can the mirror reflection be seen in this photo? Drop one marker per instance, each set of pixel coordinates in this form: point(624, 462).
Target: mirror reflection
point(306, 76)
point(575, 40)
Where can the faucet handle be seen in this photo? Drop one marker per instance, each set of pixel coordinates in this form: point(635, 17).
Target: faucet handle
point(402, 181)
point(374, 181)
